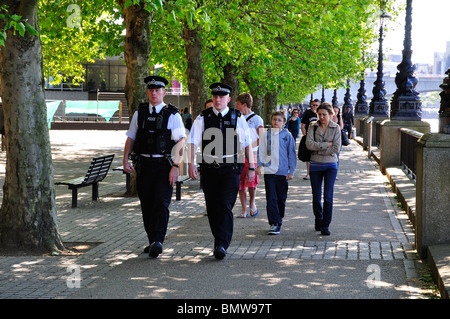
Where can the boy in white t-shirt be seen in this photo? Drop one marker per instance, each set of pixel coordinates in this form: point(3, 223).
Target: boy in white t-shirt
point(244, 104)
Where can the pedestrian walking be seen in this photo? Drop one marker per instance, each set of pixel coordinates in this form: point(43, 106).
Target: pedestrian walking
point(348, 121)
point(308, 117)
point(255, 123)
point(293, 124)
point(277, 161)
point(337, 118)
point(324, 142)
point(223, 134)
point(155, 141)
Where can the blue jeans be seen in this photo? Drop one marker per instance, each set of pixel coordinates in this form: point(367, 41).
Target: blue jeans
point(327, 174)
point(276, 194)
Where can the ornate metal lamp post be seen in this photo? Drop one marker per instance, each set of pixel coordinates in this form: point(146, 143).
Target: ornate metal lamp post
point(347, 99)
point(379, 106)
point(335, 99)
point(361, 106)
point(406, 104)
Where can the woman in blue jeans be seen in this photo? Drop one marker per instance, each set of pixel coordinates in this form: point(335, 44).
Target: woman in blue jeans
point(324, 140)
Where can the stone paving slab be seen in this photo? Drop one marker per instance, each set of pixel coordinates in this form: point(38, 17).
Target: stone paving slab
point(369, 236)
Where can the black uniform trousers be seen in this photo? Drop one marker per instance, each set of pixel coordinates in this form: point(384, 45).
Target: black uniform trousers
point(220, 186)
point(155, 194)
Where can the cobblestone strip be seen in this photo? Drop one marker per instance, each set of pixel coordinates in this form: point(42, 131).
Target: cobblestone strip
point(319, 250)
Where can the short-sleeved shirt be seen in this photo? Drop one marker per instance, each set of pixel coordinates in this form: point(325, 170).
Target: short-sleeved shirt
point(253, 123)
point(174, 124)
point(308, 117)
point(242, 129)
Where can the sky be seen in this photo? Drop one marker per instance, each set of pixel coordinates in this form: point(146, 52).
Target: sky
point(429, 30)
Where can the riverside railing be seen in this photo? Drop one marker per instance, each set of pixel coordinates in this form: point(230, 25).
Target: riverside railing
point(408, 151)
point(377, 133)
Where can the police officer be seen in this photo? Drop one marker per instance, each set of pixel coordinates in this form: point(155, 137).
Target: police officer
point(155, 139)
point(223, 133)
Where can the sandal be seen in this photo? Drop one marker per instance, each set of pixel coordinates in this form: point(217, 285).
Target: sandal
point(255, 214)
point(243, 215)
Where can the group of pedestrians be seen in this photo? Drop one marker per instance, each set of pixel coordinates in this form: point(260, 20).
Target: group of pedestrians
point(155, 143)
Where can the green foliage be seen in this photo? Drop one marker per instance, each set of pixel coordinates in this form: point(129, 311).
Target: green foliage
point(291, 46)
point(288, 46)
point(13, 22)
point(76, 32)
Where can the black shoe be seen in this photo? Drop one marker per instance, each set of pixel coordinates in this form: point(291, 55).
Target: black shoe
point(147, 250)
point(318, 225)
point(325, 232)
point(155, 249)
point(220, 252)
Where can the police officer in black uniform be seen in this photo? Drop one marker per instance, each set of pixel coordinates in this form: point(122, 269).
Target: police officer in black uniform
point(155, 142)
point(223, 133)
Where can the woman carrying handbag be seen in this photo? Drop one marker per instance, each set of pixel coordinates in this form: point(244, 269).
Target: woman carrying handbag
point(324, 140)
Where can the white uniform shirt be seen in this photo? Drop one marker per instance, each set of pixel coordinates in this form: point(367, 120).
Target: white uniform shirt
point(242, 130)
point(174, 124)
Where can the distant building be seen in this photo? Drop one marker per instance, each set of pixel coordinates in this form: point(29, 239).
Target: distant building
point(107, 75)
point(391, 63)
point(441, 61)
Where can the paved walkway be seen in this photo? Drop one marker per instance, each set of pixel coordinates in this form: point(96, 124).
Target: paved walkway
point(368, 255)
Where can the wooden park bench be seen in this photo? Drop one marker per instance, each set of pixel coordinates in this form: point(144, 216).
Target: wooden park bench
point(181, 180)
point(96, 173)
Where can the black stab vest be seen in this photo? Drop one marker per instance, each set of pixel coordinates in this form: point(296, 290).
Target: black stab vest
point(229, 138)
point(153, 136)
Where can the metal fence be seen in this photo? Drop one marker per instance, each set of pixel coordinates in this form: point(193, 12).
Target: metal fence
point(408, 151)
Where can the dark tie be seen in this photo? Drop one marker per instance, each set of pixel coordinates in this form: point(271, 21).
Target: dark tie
point(153, 110)
point(220, 120)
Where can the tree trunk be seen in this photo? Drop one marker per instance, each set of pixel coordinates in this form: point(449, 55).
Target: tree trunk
point(136, 51)
point(258, 103)
point(258, 99)
point(270, 105)
point(28, 212)
point(230, 73)
point(198, 93)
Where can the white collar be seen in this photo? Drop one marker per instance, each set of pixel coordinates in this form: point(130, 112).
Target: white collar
point(224, 112)
point(158, 107)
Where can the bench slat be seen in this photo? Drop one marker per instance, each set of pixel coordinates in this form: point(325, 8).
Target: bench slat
point(99, 169)
point(74, 181)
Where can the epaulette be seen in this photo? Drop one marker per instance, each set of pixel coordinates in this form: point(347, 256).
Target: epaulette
point(172, 108)
point(206, 111)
